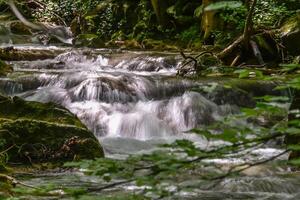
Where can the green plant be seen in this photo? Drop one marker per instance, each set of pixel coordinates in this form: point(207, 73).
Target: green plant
point(269, 13)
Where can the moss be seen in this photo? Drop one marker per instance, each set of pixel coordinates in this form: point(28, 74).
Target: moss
point(16, 108)
point(44, 141)
point(290, 35)
point(44, 132)
point(17, 27)
point(5, 68)
point(27, 54)
point(255, 87)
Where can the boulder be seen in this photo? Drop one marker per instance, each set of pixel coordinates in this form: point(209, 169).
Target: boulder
point(290, 35)
point(38, 132)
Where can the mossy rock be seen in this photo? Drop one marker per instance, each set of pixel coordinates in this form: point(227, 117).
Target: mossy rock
point(233, 96)
point(18, 27)
point(256, 88)
point(16, 108)
point(5, 68)
point(44, 132)
point(290, 34)
point(13, 54)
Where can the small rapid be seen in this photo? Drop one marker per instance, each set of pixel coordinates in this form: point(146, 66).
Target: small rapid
point(133, 101)
point(127, 95)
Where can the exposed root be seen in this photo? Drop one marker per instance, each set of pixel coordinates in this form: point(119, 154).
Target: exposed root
point(197, 61)
point(14, 182)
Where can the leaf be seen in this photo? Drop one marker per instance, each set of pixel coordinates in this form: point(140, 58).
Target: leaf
point(294, 147)
point(270, 98)
point(295, 161)
point(289, 67)
point(229, 135)
point(293, 131)
point(198, 11)
point(243, 73)
point(223, 4)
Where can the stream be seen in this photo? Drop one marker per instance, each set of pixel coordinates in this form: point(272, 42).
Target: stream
point(132, 101)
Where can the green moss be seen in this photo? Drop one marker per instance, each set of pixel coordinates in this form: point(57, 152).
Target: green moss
point(44, 133)
point(27, 54)
point(44, 141)
point(5, 68)
point(16, 108)
point(290, 25)
point(18, 27)
point(255, 88)
point(290, 35)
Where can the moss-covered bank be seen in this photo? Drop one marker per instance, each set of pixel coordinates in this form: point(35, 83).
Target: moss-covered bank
point(44, 132)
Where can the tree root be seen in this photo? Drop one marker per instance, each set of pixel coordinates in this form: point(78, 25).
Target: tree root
point(197, 62)
point(14, 182)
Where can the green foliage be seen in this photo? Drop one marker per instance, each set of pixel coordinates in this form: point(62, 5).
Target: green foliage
point(270, 13)
point(234, 17)
point(289, 67)
point(190, 34)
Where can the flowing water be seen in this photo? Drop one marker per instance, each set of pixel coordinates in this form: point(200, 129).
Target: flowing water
point(133, 101)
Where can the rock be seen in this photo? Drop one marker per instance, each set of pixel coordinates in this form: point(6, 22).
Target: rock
point(18, 27)
point(14, 54)
point(233, 96)
point(44, 133)
point(5, 68)
point(267, 46)
point(290, 35)
point(257, 88)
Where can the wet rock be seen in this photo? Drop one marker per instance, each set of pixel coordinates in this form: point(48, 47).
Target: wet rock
point(14, 54)
point(290, 35)
point(5, 68)
point(44, 132)
point(257, 88)
point(233, 96)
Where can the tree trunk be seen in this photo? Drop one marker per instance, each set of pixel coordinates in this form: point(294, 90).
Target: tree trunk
point(160, 9)
point(208, 22)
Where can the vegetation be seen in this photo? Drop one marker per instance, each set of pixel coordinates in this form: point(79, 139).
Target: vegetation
point(250, 39)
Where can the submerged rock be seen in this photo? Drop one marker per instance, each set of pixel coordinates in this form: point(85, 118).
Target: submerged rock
point(44, 132)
